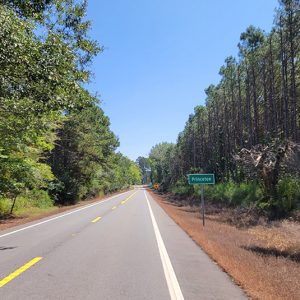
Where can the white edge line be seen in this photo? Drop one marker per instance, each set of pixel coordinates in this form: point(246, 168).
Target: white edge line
point(172, 282)
point(61, 216)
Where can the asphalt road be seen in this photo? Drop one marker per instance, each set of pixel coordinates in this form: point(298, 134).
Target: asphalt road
point(125, 247)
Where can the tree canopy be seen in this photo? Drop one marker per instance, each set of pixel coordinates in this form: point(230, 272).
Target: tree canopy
point(54, 136)
point(255, 103)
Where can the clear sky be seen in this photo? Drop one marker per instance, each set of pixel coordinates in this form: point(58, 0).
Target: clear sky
point(159, 57)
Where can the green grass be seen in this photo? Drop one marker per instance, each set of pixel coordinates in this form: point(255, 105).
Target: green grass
point(34, 211)
point(5, 205)
point(32, 201)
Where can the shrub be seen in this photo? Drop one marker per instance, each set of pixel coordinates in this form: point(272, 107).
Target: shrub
point(40, 198)
point(234, 194)
point(247, 193)
point(33, 198)
point(288, 194)
point(216, 192)
point(181, 189)
point(5, 205)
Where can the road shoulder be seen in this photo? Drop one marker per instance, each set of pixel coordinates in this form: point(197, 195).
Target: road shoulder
point(263, 275)
point(197, 274)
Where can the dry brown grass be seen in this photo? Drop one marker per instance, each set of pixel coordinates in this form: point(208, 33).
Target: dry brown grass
point(263, 260)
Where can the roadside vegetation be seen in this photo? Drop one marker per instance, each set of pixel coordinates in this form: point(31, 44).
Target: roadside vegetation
point(263, 260)
point(248, 135)
point(56, 146)
point(248, 132)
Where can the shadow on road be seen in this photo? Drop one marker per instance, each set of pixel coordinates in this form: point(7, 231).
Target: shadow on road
point(274, 252)
point(7, 248)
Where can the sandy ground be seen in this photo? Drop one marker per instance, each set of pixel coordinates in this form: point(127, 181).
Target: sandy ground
point(264, 260)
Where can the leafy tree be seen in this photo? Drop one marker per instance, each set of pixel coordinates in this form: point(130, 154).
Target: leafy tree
point(255, 103)
point(37, 82)
point(160, 161)
point(44, 56)
point(144, 165)
point(65, 19)
point(81, 154)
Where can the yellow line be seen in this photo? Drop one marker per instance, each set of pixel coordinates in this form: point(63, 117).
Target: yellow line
point(19, 271)
point(96, 220)
point(124, 201)
point(114, 207)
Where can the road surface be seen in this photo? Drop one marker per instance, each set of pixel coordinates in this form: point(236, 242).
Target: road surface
point(125, 247)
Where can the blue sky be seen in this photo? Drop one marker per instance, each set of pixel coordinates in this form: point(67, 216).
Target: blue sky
point(159, 57)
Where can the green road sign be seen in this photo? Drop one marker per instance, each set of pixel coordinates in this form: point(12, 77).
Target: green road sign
point(201, 178)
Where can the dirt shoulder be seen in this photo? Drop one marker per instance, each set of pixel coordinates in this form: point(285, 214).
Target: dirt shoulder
point(263, 259)
point(43, 213)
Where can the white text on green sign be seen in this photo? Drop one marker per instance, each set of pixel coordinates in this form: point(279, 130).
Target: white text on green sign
point(201, 178)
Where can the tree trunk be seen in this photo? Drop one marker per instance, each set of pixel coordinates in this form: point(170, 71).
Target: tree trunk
point(285, 106)
point(13, 205)
point(248, 112)
point(266, 106)
point(272, 99)
point(240, 112)
point(255, 108)
point(293, 92)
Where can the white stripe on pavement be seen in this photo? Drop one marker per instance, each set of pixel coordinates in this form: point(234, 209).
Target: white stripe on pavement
point(60, 216)
point(173, 285)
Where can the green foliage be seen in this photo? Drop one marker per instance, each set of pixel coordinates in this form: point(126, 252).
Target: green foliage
point(38, 79)
point(181, 189)
point(288, 193)
point(54, 139)
point(247, 193)
point(255, 103)
point(160, 158)
point(82, 153)
point(124, 173)
point(28, 199)
point(33, 198)
point(229, 193)
point(28, 8)
point(221, 192)
point(40, 198)
point(144, 165)
point(234, 194)
point(63, 18)
point(84, 161)
point(5, 205)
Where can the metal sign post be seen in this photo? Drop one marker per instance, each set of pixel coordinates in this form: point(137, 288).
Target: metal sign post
point(202, 205)
point(202, 179)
